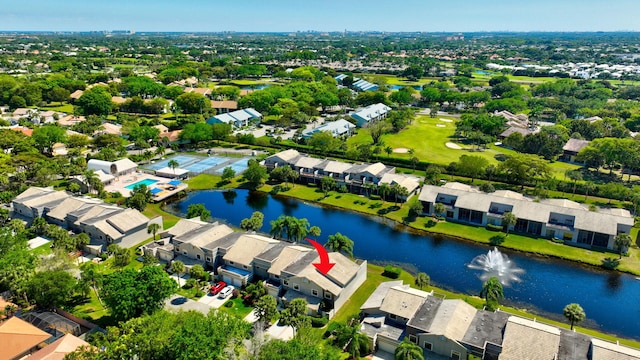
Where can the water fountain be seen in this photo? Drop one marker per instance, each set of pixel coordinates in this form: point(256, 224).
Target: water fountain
point(495, 263)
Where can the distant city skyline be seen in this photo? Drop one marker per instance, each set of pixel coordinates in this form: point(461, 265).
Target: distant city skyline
point(326, 15)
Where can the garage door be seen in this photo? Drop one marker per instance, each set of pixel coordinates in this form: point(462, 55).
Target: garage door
point(231, 281)
point(386, 345)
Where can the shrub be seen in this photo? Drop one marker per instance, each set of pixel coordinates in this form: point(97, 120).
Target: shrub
point(492, 227)
point(318, 322)
point(190, 284)
point(374, 197)
point(392, 272)
point(487, 187)
point(333, 326)
point(343, 189)
point(228, 304)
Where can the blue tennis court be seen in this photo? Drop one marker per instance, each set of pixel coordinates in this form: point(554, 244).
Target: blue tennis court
point(213, 161)
point(182, 160)
point(197, 167)
point(240, 166)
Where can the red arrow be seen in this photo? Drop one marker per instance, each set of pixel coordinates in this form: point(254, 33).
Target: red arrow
point(324, 266)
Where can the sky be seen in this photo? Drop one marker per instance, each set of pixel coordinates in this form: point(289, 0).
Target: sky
point(320, 15)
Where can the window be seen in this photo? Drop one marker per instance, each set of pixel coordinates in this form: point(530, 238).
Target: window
point(231, 263)
point(392, 316)
point(428, 346)
point(208, 259)
point(296, 287)
point(286, 283)
point(413, 339)
point(245, 267)
point(198, 256)
point(314, 292)
point(185, 252)
point(327, 295)
point(277, 276)
point(455, 355)
point(177, 249)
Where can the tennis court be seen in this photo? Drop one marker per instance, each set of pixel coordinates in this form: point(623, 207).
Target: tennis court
point(183, 160)
point(239, 166)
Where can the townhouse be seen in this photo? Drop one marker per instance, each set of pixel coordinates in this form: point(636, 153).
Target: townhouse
point(239, 258)
point(357, 177)
point(549, 218)
point(370, 114)
point(453, 329)
point(104, 223)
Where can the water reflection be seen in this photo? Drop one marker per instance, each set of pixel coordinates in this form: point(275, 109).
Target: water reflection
point(229, 196)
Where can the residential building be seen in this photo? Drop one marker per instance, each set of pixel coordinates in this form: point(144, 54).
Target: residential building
point(370, 113)
point(60, 348)
point(336, 128)
point(571, 149)
point(104, 223)
point(562, 219)
point(452, 329)
point(19, 338)
point(359, 178)
point(237, 119)
point(239, 258)
point(224, 106)
point(114, 168)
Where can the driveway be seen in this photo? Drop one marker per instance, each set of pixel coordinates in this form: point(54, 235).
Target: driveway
point(178, 302)
point(212, 301)
point(276, 331)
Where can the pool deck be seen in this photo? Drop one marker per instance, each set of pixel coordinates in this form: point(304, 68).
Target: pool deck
point(119, 184)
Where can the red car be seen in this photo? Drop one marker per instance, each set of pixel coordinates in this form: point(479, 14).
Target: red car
point(217, 287)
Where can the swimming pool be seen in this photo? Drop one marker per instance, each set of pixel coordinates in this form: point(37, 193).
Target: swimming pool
point(146, 182)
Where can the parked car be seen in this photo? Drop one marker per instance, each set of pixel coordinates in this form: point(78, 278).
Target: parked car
point(217, 287)
point(226, 292)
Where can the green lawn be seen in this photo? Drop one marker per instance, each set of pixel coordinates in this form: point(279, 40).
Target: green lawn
point(428, 137)
point(155, 209)
point(65, 108)
point(208, 181)
point(238, 309)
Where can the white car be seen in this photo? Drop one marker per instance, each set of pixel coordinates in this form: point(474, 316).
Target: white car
point(226, 292)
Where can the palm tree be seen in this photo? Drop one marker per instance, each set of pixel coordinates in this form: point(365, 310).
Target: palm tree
point(277, 228)
point(153, 229)
point(384, 190)
point(299, 229)
point(160, 150)
point(408, 351)
point(622, 242)
point(90, 178)
point(173, 165)
point(492, 292)
point(314, 231)
point(356, 343)
point(576, 176)
point(574, 313)
point(439, 209)
point(340, 243)
point(508, 219)
point(587, 187)
point(422, 280)
point(177, 267)
point(93, 277)
point(388, 150)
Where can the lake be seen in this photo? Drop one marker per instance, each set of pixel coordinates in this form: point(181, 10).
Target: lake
point(610, 299)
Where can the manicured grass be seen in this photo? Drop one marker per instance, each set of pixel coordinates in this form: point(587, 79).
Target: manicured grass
point(238, 309)
point(155, 209)
point(208, 182)
point(428, 137)
point(65, 108)
point(43, 250)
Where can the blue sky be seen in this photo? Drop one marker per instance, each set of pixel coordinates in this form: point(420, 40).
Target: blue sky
point(323, 15)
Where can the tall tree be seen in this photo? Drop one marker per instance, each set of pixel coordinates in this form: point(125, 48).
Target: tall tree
point(173, 164)
point(492, 292)
point(198, 210)
point(177, 267)
point(255, 174)
point(622, 243)
point(574, 313)
point(295, 314)
point(51, 289)
point(408, 351)
point(508, 220)
point(254, 223)
point(266, 309)
point(130, 293)
point(153, 229)
point(340, 243)
point(422, 280)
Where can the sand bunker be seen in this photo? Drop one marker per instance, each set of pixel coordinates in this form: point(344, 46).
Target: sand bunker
point(401, 150)
point(445, 120)
point(441, 125)
point(451, 145)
